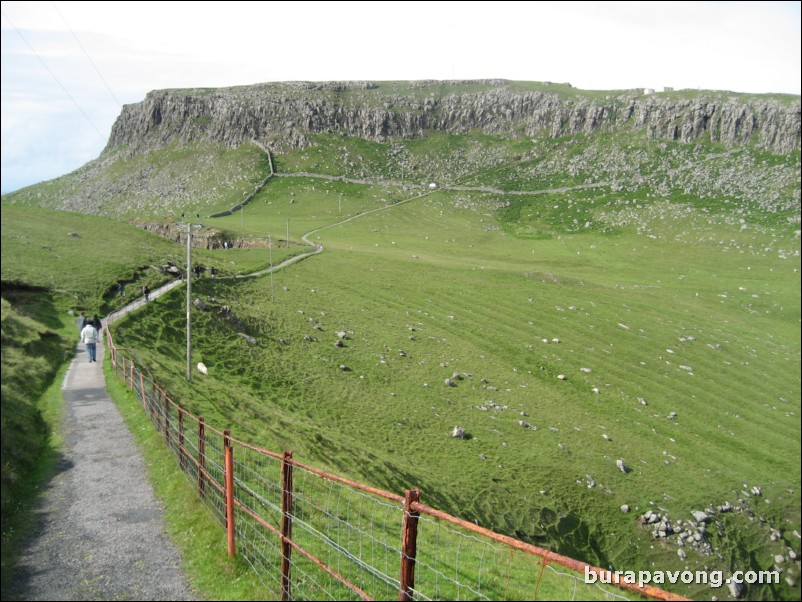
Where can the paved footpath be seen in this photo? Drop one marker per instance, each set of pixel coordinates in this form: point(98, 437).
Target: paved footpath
point(101, 534)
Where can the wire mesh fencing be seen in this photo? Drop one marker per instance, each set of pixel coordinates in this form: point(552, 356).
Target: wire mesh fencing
point(312, 535)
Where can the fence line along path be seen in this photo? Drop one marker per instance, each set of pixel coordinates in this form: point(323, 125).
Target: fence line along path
point(312, 535)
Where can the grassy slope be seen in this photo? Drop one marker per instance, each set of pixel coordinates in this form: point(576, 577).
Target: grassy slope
point(162, 183)
point(481, 301)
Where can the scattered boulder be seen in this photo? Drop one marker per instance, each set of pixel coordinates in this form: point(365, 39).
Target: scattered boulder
point(203, 369)
point(458, 432)
point(248, 339)
point(699, 516)
point(621, 466)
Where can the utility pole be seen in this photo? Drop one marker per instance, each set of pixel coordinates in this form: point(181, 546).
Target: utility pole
point(189, 303)
point(189, 226)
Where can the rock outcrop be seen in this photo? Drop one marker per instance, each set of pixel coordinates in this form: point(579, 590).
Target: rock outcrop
point(285, 115)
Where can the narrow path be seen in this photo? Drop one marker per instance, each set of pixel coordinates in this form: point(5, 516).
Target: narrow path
point(318, 248)
point(101, 532)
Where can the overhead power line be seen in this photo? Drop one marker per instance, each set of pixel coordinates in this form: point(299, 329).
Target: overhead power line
point(89, 58)
point(53, 75)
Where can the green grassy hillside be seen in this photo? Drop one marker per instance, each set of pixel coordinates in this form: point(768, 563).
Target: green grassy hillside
point(659, 280)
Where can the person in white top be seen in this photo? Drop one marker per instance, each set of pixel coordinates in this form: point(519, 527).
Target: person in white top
point(90, 336)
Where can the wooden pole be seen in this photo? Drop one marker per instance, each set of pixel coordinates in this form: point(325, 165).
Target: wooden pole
point(409, 546)
point(286, 526)
point(229, 481)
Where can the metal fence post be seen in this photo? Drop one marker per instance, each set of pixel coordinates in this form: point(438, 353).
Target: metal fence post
point(145, 401)
point(181, 460)
point(409, 546)
point(167, 419)
point(286, 525)
point(229, 481)
point(201, 457)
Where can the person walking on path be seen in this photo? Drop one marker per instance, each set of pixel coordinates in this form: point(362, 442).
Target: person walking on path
point(146, 290)
point(100, 532)
point(81, 322)
point(90, 336)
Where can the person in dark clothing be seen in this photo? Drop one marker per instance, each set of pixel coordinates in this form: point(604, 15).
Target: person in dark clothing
point(95, 321)
point(147, 294)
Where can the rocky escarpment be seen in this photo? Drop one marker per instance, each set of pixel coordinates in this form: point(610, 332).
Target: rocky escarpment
point(285, 115)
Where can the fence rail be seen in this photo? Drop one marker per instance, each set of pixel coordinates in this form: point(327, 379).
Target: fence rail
point(312, 535)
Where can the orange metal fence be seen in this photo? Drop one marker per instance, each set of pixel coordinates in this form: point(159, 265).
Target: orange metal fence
point(313, 535)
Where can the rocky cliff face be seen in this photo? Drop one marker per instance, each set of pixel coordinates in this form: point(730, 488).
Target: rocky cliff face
point(285, 115)
point(205, 238)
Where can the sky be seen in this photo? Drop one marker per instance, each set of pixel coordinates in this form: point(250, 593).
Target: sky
point(68, 67)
